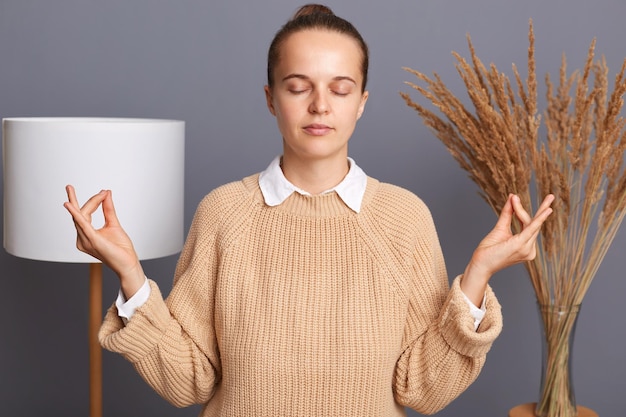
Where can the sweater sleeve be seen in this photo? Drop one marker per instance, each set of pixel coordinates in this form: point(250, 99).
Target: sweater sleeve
point(442, 353)
point(172, 343)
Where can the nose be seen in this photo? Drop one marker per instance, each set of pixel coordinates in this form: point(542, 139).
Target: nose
point(319, 103)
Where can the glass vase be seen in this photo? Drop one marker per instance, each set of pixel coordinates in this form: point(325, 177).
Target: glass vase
point(556, 396)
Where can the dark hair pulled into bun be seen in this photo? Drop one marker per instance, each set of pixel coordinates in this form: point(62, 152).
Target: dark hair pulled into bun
point(312, 8)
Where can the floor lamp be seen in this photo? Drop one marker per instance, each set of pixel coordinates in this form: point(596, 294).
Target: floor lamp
point(140, 160)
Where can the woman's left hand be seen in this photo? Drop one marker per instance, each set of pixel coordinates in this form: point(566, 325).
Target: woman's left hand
point(501, 248)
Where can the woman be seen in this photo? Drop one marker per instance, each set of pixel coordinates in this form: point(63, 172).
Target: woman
point(310, 289)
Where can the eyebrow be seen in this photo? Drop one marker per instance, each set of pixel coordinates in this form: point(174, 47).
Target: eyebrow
point(304, 77)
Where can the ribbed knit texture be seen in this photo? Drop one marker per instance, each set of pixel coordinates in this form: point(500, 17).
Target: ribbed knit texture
point(308, 309)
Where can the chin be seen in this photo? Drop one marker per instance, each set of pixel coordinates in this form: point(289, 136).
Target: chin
point(317, 149)
point(321, 154)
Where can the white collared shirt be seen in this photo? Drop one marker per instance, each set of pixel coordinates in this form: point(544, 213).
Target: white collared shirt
point(276, 189)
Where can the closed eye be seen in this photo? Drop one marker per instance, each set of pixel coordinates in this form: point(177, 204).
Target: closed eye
point(342, 87)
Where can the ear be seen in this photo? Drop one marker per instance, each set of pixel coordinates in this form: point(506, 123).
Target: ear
point(268, 100)
point(362, 104)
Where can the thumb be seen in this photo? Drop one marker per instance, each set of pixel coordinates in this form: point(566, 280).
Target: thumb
point(108, 209)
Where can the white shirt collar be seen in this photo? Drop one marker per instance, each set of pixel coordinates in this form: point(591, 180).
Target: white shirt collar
point(276, 188)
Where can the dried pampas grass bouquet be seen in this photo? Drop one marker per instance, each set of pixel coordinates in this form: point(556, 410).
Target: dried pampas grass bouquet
point(579, 159)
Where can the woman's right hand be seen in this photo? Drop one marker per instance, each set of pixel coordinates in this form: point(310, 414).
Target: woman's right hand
point(110, 244)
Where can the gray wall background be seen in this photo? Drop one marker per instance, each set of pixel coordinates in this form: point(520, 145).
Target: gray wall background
point(204, 62)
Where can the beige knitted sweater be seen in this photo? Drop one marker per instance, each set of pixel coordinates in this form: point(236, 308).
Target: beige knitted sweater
point(308, 309)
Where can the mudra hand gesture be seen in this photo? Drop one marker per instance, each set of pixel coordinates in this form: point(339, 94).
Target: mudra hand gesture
point(109, 244)
point(501, 248)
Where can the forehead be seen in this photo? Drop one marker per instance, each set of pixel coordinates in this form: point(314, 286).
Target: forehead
point(320, 51)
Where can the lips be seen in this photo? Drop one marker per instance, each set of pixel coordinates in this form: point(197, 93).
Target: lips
point(317, 129)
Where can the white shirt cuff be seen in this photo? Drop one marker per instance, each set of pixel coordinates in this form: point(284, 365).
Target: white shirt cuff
point(477, 313)
point(126, 308)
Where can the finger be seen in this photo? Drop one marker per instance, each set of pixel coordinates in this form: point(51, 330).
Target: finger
point(80, 221)
point(541, 215)
point(71, 195)
point(520, 212)
point(544, 211)
point(531, 231)
point(547, 202)
point(506, 215)
point(71, 205)
point(93, 203)
point(89, 207)
point(108, 208)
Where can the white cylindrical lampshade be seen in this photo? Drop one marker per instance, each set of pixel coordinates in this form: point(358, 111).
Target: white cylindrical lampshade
point(140, 160)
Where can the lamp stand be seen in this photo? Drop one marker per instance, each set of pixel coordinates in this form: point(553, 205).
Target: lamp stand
point(95, 351)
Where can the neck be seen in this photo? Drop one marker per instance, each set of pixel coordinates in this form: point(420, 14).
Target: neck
point(315, 176)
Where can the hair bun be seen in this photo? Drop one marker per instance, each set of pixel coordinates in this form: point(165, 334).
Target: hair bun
point(309, 9)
